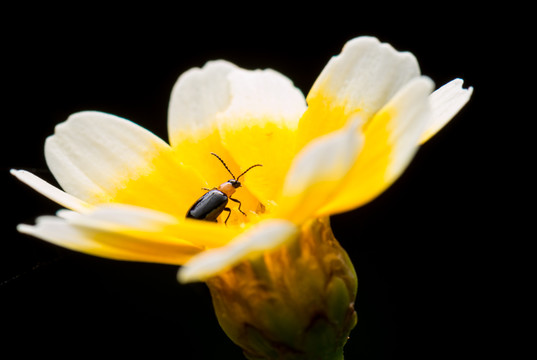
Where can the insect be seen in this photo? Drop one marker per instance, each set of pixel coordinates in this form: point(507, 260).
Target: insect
point(214, 201)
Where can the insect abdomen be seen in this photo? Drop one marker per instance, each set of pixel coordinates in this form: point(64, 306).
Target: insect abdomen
point(209, 206)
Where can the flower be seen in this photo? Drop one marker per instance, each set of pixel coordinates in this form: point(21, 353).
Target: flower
point(128, 191)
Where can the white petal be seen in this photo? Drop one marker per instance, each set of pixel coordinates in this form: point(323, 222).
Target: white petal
point(93, 154)
point(117, 232)
point(51, 192)
point(120, 215)
point(365, 76)
point(197, 96)
point(221, 88)
point(265, 236)
point(57, 231)
point(60, 232)
point(445, 104)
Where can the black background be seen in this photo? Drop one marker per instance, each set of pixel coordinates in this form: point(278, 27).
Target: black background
point(428, 283)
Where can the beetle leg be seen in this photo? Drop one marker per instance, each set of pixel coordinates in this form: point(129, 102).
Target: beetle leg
point(237, 201)
point(206, 189)
point(228, 215)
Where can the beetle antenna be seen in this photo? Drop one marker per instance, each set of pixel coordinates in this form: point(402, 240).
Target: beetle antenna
point(222, 161)
point(253, 166)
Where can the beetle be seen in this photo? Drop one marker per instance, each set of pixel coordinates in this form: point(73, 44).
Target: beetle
point(214, 201)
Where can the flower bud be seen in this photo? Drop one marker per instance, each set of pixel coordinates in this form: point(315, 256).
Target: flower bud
point(296, 302)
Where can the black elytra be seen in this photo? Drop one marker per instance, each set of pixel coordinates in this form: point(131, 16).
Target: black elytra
point(214, 201)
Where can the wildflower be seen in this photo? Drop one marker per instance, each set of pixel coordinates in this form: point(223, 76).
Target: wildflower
point(281, 285)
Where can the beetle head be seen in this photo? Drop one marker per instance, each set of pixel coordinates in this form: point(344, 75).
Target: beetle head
point(235, 183)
